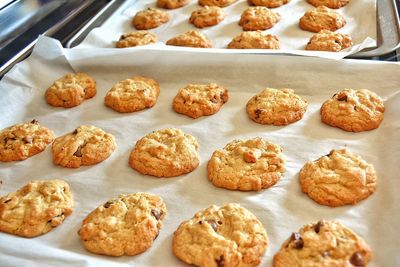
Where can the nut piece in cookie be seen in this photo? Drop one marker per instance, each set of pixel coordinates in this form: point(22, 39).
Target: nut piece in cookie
point(207, 16)
point(268, 3)
point(150, 18)
point(276, 107)
point(196, 100)
point(254, 40)
point(252, 164)
point(171, 4)
point(321, 18)
point(324, 243)
point(337, 179)
point(165, 153)
point(86, 145)
point(23, 140)
point(335, 4)
point(71, 90)
point(36, 208)
point(229, 235)
point(133, 94)
point(191, 39)
point(218, 3)
point(353, 110)
point(326, 40)
point(138, 38)
point(258, 19)
point(124, 225)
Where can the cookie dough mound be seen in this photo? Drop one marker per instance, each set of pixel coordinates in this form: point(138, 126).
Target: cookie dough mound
point(335, 4)
point(269, 3)
point(254, 40)
point(207, 16)
point(172, 4)
point(138, 38)
point(150, 18)
point(321, 18)
point(190, 39)
point(326, 40)
point(258, 19)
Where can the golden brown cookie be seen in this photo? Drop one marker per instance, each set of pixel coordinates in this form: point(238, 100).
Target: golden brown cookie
point(254, 40)
point(353, 110)
point(277, 107)
point(258, 19)
point(335, 4)
point(207, 16)
point(268, 3)
point(133, 94)
point(125, 225)
point(36, 208)
point(165, 153)
point(172, 4)
point(325, 243)
point(196, 100)
point(228, 235)
point(252, 164)
point(87, 145)
point(138, 38)
point(337, 179)
point(326, 40)
point(150, 18)
point(321, 18)
point(190, 39)
point(218, 3)
point(71, 90)
point(23, 140)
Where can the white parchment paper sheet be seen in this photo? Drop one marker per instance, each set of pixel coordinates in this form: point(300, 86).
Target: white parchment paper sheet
point(282, 209)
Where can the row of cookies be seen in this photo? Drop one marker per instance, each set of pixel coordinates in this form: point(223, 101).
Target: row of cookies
point(229, 235)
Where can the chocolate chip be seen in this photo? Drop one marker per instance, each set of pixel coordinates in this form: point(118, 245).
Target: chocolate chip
point(342, 97)
point(220, 262)
point(219, 222)
point(156, 214)
point(258, 113)
point(317, 227)
point(78, 152)
point(28, 139)
point(8, 200)
point(297, 240)
point(75, 131)
point(355, 108)
point(200, 222)
point(357, 259)
point(214, 100)
point(213, 224)
point(107, 204)
point(35, 121)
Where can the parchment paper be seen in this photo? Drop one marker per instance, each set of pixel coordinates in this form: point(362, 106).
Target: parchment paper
point(282, 208)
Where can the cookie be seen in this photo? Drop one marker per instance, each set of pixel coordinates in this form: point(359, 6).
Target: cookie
point(165, 153)
point(196, 100)
point(133, 94)
point(337, 179)
point(258, 19)
point(335, 4)
point(172, 4)
point(23, 140)
point(228, 235)
point(71, 90)
point(268, 3)
point(190, 39)
point(218, 3)
point(36, 208)
point(87, 145)
point(276, 107)
point(326, 40)
point(138, 38)
point(254, 40)
point(353, 110)
point(252, 164)
point(207, 16)
point(150, 18)
point(321, 18)
point(124, 225)
point(325, 243)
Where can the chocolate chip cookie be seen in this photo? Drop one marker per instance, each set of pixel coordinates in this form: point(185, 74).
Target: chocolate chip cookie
point(172, 4)
point(138, 38)
point(258, 18)
point(218, 3)
point(190, 39)
point(321, 18)
point(326, 40)
point(335, 4)
point(150, 18)
point(268, 3)
point(207, 16)
point(254, 40)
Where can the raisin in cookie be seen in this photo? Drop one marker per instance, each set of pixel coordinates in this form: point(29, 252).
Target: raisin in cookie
point(228, 235)
point(172, 4)
point(87, 145)
point(196, 100)
point(133, 94)
point(23, 140)
point(326, 40)
point(207, 16)
point(190, 39)
point(36, 208)
point(138, 38)
point(325, 243)
point(353, 110)
point(253, 164)
point(165, 153)
point(150, 18)
point(335, 4)
point(277, 107)
point(254, 40)
point(125, 225)
point(321, 18)
point(71, 90)
point(268, 3)
point(337, 179)
point(218, 3)
point(258, 18)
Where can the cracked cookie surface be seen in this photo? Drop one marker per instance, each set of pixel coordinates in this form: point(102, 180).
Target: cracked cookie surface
point(254, 40)
point(269, 3)
point(150, 18)
point(138, 38)
point(190, 39)
point(335, 4)
point(321, 18)
point(326, 40)
point(258, 18)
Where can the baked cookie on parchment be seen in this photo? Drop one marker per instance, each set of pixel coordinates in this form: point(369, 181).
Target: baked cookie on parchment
point(23, 140)
point(86, 145)
point(321, 18)
point(133, 94)
point(229, 235)
point(337, 179)
point(218, 3)
point(268, 3)
point(138, 38)
point(172, 4)
point(325, 243)
point(190, 39)
point(36, 208)
point(252, 164)
point(276, 106)
point(353, 110)
point(150, 18)
point(124, 225)
point(326, 40)
point(254, 40)
point(335, 4)
point(71, 90)
point(207, 16)
point(258, 18)
point(165, 153)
